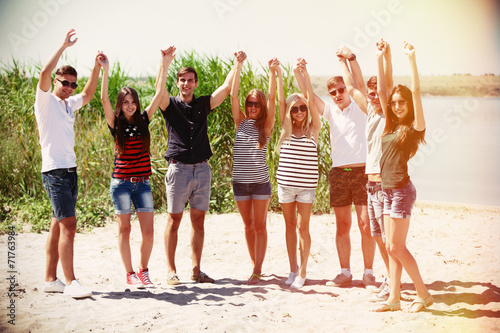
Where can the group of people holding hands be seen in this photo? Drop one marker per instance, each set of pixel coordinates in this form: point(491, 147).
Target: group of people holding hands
point(375, 129)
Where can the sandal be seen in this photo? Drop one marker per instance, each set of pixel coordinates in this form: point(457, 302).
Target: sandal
point(173, 280)
point(254, 279)
point(202, 278)
point(422, 303)
point(386, 306)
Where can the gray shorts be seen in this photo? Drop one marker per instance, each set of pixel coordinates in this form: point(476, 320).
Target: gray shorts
point(188, 182)
point(376, 209)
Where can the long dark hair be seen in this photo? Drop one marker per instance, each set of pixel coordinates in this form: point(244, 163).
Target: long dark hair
point(404, 127)
point(260, 122)
point(121, 122)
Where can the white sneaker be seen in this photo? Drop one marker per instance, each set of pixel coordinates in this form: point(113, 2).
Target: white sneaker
point(291, 278)
point(298, 283)
point(56, 286)
point(76, 290)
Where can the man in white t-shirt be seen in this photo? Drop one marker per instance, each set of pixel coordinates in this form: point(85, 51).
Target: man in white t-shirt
point(54, 112)
point(347, 177)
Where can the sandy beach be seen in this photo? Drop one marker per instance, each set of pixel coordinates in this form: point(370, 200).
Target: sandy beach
point(456, 247)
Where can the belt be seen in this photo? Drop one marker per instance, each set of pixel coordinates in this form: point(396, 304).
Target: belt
point(172, 161)
point(73, 169)
point(136, 179)
point(373, 187)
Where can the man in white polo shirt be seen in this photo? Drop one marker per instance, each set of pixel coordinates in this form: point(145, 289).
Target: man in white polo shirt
point(54, 112)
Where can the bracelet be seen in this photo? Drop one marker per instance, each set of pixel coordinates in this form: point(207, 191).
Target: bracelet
point(352, 58)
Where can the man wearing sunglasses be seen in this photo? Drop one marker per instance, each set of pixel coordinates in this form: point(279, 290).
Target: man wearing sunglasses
point(347, 176)
point(54, 112)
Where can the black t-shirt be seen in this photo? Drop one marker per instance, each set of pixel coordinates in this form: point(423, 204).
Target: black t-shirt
point(188, 130)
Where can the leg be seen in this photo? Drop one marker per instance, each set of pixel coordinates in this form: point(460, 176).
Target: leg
point(304, 215)
point(367, 241)
point(66, 241)
point(290, 215)
point(197, 237)
point(245, 208)
point(52, 251)
point(397, 248)
point(170, 237)
point(343, 220)
point(124, 241)
point(260, 221)
point(146, 220)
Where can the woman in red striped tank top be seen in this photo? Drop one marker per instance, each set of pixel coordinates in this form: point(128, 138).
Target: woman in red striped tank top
point(130, 178)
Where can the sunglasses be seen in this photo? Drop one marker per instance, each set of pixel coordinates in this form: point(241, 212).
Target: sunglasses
point(66, 83)
point(372, 95)
point(253, 104)
point(295, 109)
point(394, 104)
point(339, 91)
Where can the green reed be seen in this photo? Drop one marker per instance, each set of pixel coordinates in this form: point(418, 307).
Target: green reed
point(22, 196)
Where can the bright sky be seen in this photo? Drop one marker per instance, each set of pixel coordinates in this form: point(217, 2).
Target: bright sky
point(450, 36)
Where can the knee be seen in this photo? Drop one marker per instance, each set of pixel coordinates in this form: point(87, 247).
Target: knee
point(395, 250)
point(124, 230)
point(148, 235)
point(173, 224)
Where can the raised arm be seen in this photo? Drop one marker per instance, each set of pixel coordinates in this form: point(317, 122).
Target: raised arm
point(219, 95)
point(389, 81)
point(419, 124)
point(356, 73)
point(45, 82)
point(274, 67)
point(358, 95)
point(382, 86)
point(281, 94)
point(106, 104)
point(167, 57)
point(238, 115)
point(302, 86)
point(91, 85)
point(315, 119)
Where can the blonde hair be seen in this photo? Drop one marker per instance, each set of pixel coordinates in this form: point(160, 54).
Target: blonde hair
point(286, 130)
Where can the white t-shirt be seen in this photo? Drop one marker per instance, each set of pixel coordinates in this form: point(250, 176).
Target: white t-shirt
point(347, 134)
point(374, 130)
point(55, 118)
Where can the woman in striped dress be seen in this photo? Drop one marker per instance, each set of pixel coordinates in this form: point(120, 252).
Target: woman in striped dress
point(251, 184)
point(297, 173)
point(130, 178)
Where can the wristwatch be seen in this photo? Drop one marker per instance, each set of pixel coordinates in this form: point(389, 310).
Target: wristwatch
point(352, 58)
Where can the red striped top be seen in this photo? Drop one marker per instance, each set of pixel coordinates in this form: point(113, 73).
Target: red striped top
point(134, 162)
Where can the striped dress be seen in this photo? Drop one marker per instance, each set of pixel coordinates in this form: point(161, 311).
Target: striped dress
point(249, 161)
point(134, 162)
point(298, 163)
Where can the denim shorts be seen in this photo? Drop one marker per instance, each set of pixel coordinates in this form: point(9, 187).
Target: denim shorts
point(347, 186)
point(376, 209)
point(398, 203)
point(255, 191)
point(62, 189)
point(288, 194)
point(188, 182)
point(124, 192)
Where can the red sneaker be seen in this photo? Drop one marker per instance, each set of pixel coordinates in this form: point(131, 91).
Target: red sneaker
point(133, 280)
point(143, 275)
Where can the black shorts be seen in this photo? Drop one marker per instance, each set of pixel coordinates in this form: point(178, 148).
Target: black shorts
point(348, 186)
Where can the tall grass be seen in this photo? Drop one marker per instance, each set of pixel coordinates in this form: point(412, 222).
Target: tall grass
point(22, 196)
